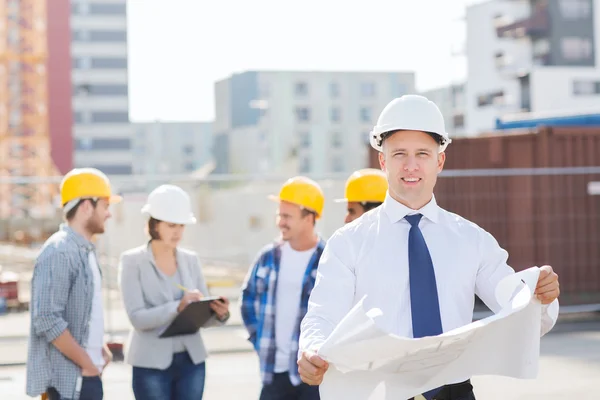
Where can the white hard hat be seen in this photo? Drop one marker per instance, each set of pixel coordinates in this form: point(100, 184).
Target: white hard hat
point(169, 203)
point(410, 112)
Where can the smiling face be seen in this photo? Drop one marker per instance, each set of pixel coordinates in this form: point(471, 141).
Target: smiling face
point(412, 162)
point(294, 222)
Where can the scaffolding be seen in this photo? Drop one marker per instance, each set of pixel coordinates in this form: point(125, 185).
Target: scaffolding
point(24, 134)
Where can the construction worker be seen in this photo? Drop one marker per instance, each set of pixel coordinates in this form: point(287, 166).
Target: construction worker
point(395, 255)
point(67, 353)
point(276, 289)
point(365, 190)
point(158, 280)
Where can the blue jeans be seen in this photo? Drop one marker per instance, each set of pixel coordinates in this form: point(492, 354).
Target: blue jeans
point(182, 380)
point(91, 389)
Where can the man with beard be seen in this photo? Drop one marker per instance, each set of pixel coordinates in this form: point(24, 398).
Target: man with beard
point(67, 353)
point(276, 290)
point(365, 190)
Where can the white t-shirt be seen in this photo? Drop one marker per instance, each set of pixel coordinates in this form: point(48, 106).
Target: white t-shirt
point(292, 268)
point(96, 325)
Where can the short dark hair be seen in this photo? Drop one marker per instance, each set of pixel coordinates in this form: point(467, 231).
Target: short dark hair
point(152, 231)
point(71, 213)
point(369, 205)
point(305, 213)
point(435, 136)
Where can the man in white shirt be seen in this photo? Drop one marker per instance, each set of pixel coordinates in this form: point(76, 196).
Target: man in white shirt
point(275, 292)
point(420, 264)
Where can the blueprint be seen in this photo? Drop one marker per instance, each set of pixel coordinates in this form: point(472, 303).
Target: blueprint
point(368, 363)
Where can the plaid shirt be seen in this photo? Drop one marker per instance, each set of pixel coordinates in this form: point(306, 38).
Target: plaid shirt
point(61, 298)
point(258, 308)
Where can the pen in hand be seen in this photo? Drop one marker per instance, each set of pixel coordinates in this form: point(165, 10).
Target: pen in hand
point(188, 297)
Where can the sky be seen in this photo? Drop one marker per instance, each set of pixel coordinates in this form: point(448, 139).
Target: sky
point(178, 49)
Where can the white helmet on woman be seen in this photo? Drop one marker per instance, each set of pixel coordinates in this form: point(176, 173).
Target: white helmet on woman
point(169, 203)
point(410, 113)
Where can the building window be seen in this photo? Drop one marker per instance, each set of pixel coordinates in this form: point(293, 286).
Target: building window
point(304, 165)
point(337, 164)
point(109, 63)
point(107, 9)
point(365, 114)
point(366, 137)
point(336, 140)
point(82, 63)
point(575, 9)
point(99, 36)
point(189, 166)
point(102, 90)
point(110, 116)
point(586, 88)
point(303, 114)
point(335, 114)
point(367, 89)
point(576, 48)
point(490, 98)
point(500, 59)
point(90, 144)
point(401, 89)
point(115, 169)
point(301, 89)
point(334, 89)
point(458, 120)
point(188, 149)
point(304, 139)
point(84, 144)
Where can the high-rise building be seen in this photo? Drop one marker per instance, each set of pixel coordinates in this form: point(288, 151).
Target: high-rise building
point(35, 114)
point(102, 133)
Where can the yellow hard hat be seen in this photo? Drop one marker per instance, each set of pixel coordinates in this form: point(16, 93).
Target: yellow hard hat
point(86, 183)
point(304, 192)
point(366, 185)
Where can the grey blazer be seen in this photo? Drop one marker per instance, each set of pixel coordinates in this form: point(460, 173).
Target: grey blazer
point(150, 305)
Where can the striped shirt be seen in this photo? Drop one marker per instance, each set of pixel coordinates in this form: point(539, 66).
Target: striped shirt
point(62, 290)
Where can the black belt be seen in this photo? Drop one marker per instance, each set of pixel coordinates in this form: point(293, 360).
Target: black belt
point(453, 391)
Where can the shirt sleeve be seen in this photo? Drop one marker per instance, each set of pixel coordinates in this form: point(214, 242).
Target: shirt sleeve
point(333, 295)
point(492, 269)
point(51, 285)
point(248, 302)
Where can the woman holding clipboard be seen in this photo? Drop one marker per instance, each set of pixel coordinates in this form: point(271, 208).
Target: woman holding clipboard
point(158, 280)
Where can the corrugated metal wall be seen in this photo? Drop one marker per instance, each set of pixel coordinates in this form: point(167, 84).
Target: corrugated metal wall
point(538, 219)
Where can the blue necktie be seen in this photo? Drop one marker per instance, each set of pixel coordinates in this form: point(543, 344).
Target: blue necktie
point(424, 303)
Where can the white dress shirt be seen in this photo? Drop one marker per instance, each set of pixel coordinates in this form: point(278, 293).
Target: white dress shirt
point(369, 256)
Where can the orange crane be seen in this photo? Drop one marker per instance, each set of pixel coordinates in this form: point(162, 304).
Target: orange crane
point(24, 136)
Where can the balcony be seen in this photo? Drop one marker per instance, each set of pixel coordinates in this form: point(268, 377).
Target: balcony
point(538, 24)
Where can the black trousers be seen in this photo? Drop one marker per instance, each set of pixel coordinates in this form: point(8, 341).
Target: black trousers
point(456, 391)
point(282, 389)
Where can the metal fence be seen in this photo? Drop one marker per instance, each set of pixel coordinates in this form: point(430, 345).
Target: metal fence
point(548, 215)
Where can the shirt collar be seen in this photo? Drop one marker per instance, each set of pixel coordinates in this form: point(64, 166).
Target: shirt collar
point(77, 238)
point(397, 211)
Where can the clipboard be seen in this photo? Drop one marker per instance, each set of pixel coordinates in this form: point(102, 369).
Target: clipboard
point(191, 319)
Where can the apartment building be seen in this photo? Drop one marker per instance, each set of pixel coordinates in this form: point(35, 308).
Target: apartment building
point(305, 122)
point(531, 56)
